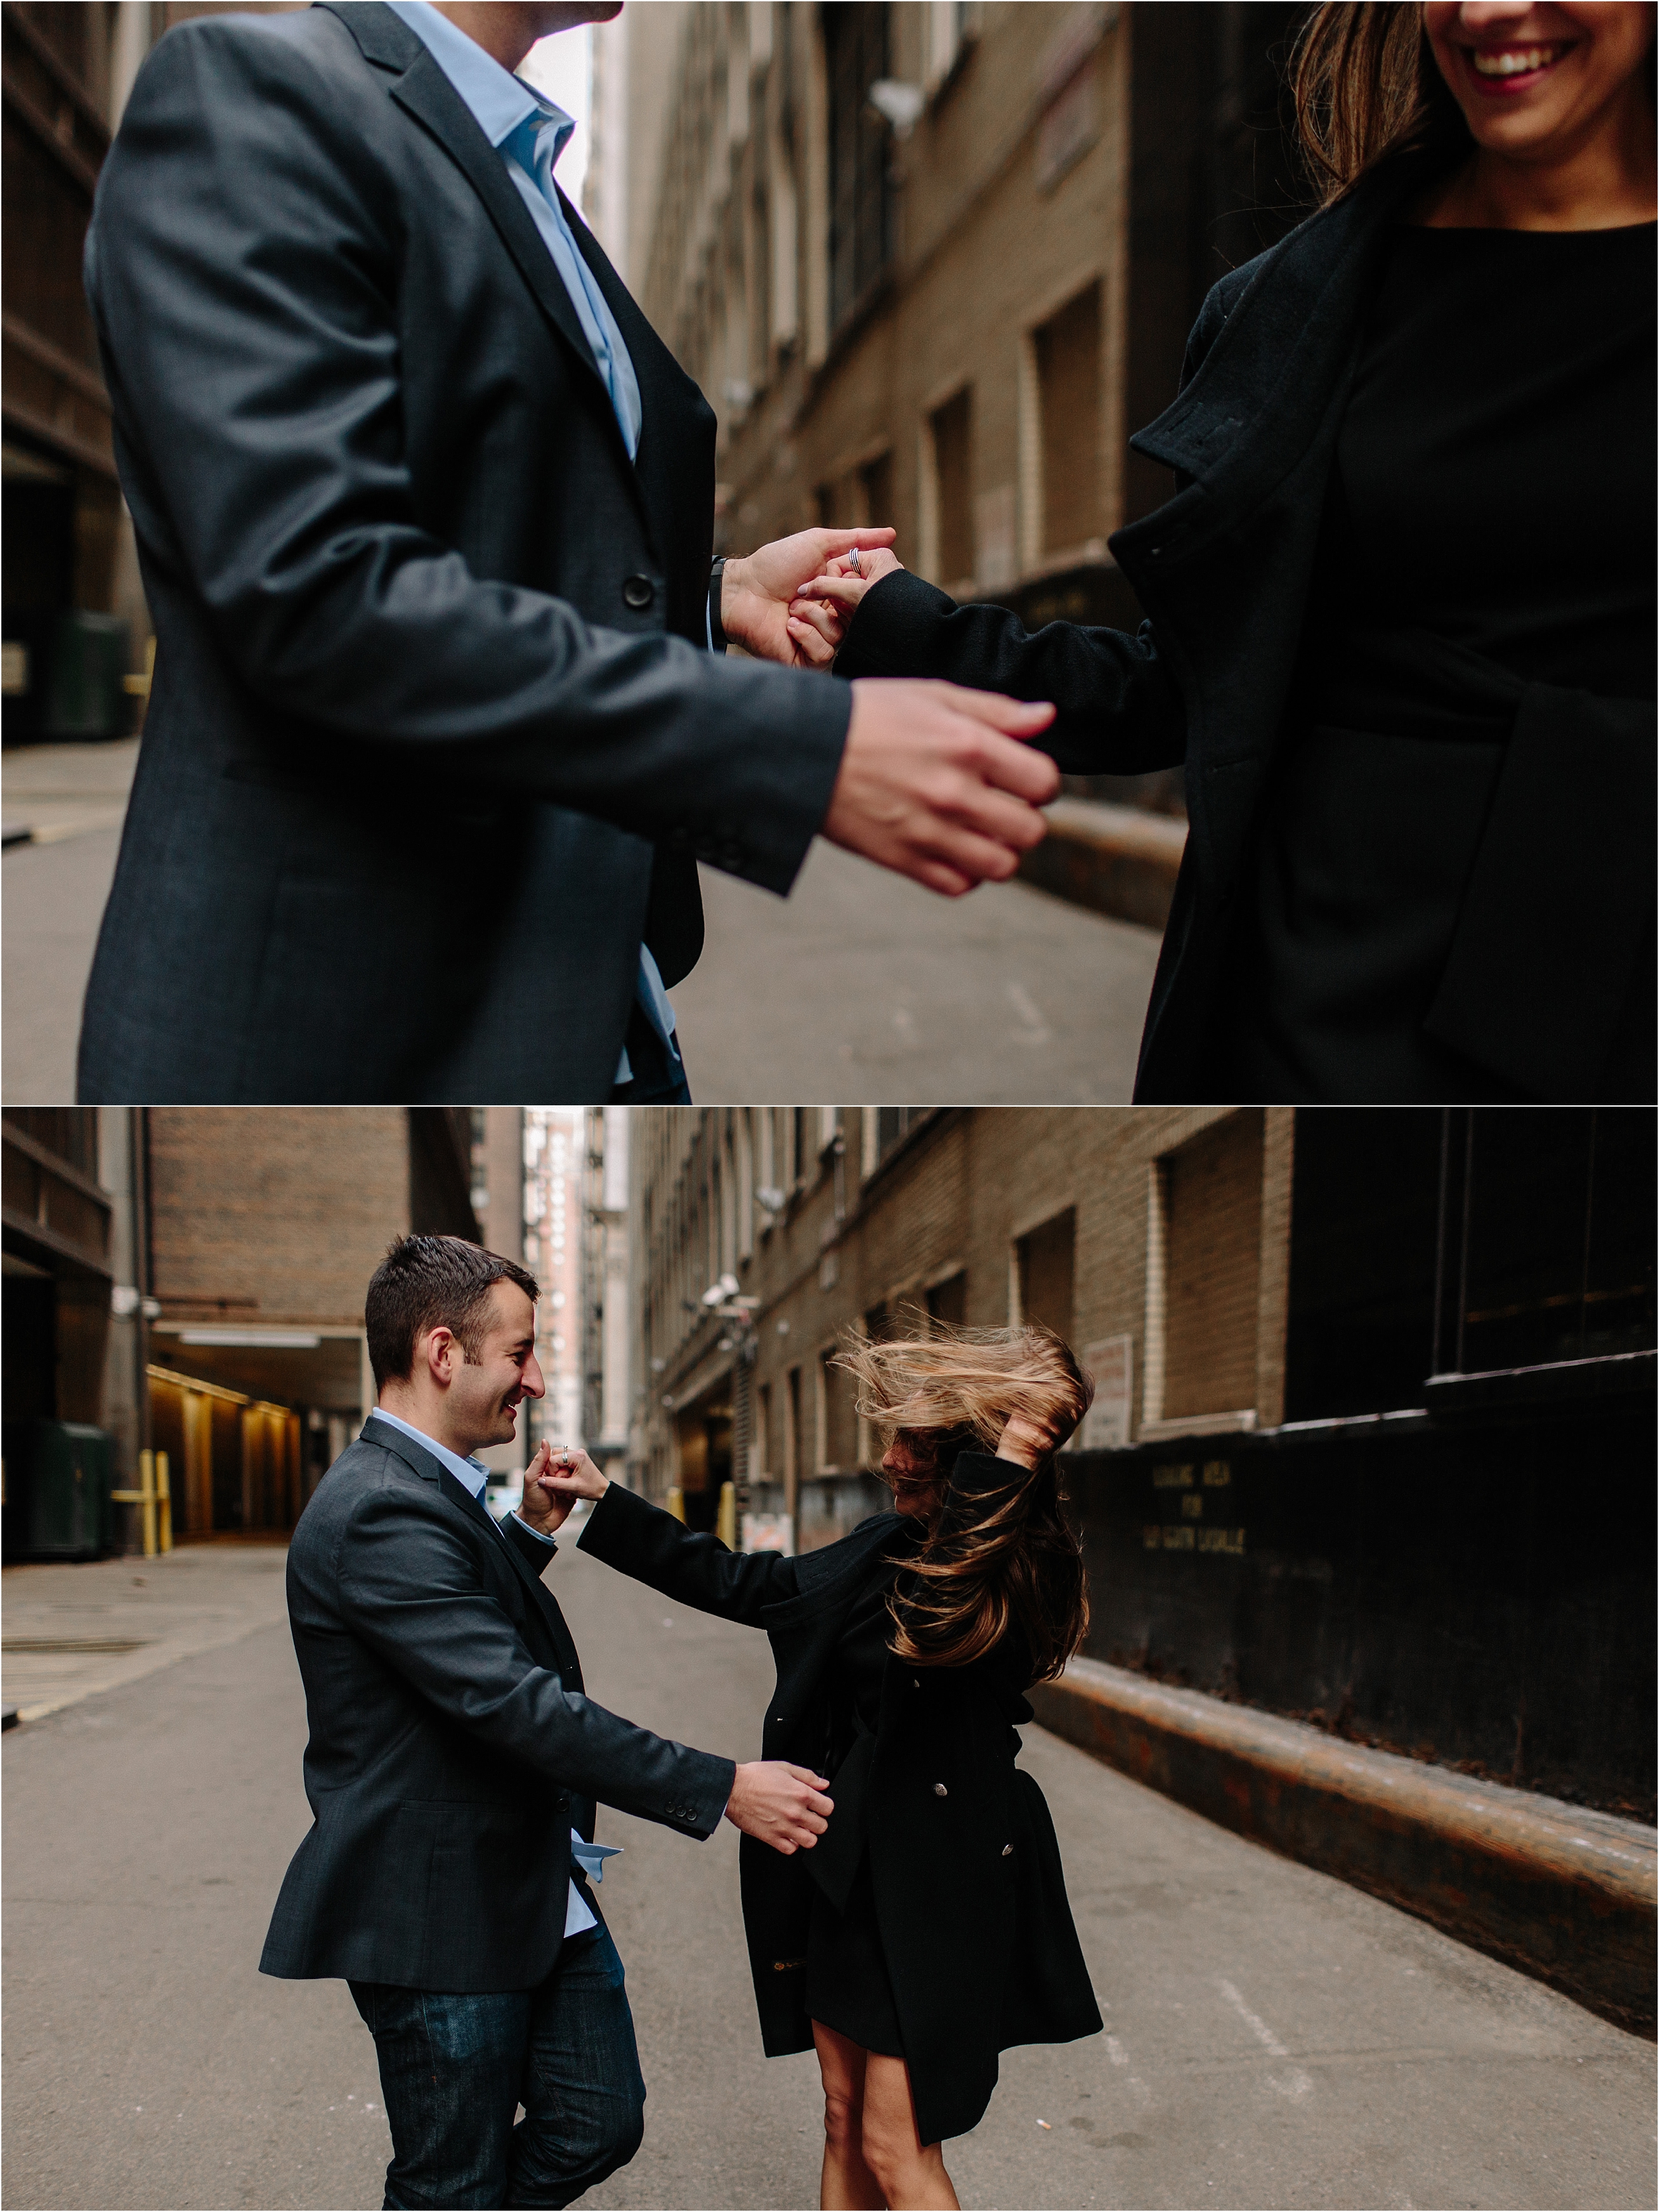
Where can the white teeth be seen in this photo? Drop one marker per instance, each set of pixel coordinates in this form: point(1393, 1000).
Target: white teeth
point(1514, 61)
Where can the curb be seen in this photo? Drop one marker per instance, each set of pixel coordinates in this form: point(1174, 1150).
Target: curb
point(1562, 1893)
point(1117, 860)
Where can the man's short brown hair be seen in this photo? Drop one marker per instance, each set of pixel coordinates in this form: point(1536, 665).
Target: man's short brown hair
point(432, 1282)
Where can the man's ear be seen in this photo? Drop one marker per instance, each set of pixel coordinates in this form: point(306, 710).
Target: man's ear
point(441, 1354)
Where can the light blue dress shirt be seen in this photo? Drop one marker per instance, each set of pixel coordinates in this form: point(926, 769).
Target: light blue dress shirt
point(529, 133)
point(473, 1475)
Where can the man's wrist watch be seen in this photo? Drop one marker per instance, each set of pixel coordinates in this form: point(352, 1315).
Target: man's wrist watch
point(716, 629)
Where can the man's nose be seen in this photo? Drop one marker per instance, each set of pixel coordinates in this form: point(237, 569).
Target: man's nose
point(531, 1381)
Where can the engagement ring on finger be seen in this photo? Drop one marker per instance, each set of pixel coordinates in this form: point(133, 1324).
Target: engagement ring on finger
point(852, 560)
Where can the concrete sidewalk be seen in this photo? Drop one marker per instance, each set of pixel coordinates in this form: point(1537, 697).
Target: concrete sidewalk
point(72, 1631)
point(1558, 1890)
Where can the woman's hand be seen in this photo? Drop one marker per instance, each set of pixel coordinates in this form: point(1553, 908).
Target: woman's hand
point(820, 611)
point(1025, 1442)
point(756, 591)
point(553, 1481)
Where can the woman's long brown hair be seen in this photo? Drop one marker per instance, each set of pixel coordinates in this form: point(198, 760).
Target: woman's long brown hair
point(999, 1556)
point(1365, 86)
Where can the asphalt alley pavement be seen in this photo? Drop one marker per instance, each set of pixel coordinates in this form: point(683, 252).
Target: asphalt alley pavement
point(861, 986)
point(1272, 2038)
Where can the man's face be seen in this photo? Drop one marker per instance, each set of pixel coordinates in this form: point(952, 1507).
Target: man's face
point(485, 1392)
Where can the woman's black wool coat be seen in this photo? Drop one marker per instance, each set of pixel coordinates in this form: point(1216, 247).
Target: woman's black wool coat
point(1555, 991)
point(970, 1897)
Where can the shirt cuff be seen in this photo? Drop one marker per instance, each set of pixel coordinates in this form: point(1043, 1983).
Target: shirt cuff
point(552, 1542)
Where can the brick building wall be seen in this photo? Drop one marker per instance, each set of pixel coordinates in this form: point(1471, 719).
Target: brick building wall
point(826, 1220)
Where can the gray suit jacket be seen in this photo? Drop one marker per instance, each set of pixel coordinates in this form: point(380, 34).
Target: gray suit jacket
point(452, 1747)
point(434, 741)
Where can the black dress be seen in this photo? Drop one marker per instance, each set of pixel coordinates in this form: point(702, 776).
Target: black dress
point(848, 1985)
point(1488, 527)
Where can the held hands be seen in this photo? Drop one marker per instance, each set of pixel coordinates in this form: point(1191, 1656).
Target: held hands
point(756, 593)
point(553, 1481)
point(825, 606)
point(780, 1805)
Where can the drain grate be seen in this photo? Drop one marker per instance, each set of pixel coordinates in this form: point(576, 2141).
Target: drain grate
point(111, 1645)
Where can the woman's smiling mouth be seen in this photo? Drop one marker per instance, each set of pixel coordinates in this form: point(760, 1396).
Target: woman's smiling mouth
point(1511, 69)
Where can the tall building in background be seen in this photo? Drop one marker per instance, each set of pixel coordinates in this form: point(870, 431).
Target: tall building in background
point(555, 1152)
point(1359, 1374)
point(932, 263)
point(606, 1296)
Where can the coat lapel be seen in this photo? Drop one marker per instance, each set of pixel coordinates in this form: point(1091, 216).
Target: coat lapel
point(1255, 406)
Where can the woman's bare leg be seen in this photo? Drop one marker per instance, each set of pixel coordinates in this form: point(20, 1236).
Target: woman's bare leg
point(910, 2175)
point(848, 2184)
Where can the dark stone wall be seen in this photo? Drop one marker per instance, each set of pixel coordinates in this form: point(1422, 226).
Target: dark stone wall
point(1478, 1595)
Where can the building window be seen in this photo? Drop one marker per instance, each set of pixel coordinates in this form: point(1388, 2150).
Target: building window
point(951, 440)
point(762, 1446)
point(1045, 1263)
point(875, 491)
point(860, 222)
point(1067, 356)
point(790, 1437)
point(947, 1302)
point(1204, 1278)
point(894, 1124)
point(837, 1426)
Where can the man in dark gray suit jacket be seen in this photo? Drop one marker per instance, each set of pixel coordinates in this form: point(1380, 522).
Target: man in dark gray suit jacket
point(454, 1766)
point(424, 511)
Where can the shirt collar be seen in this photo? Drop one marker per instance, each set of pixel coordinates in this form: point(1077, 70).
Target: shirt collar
point(499, 101)
point(471, 1473)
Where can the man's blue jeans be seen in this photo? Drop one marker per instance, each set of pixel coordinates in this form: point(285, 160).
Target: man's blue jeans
point(454, 2069)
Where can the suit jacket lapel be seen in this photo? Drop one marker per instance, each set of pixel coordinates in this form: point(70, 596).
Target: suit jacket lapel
point(456, 1494)
point(422, 90)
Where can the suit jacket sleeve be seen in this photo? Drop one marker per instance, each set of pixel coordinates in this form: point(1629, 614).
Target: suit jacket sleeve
point(410, 1588)
point(1118, 710)
point(243, 272)
point(628, 1532)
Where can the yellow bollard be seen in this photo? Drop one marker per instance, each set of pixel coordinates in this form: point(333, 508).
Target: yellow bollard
point(163, 1503)
point(144, 1496)
point(727, 1525)
point(675, 1503)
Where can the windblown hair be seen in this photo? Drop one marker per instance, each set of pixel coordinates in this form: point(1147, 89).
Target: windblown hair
point(1000, 1557)
point(1365, 86)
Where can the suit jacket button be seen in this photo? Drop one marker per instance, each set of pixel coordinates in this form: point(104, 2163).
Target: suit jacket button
point(638, 592)
point(939, 1790)
point(1007, 1851)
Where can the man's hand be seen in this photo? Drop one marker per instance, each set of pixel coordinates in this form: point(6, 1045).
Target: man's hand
point(755, 593)
point(783, 1805)
point(935, 783)
point(553, 1481)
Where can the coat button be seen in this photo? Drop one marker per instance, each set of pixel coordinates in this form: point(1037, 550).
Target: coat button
point(638, 592)
point(939, 1790)
point(1007, 1851)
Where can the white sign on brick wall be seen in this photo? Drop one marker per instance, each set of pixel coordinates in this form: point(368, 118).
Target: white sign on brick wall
point(1106, 1424)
